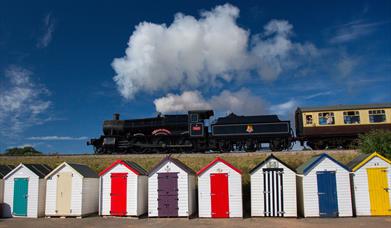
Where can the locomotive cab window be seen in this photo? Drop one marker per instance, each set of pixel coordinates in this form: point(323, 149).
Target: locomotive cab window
point(377, 116)
point(194, 118)
point(326, 118)
point(351, 117)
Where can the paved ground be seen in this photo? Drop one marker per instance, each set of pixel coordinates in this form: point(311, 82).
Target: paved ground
point(96, 222)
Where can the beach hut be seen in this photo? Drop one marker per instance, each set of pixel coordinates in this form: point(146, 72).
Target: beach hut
point(371, 181)
point(72, 191)
point(24, 191)
point(220, 190)
point(323, 187)
point(273, 189)
point(171, 189)
point(4, 170)
point(123, 189)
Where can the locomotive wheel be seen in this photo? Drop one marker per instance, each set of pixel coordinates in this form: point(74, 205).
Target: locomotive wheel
point(225, 147)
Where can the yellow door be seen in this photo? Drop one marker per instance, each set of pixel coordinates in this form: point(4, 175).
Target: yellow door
point(64, 192)
point(378, 191)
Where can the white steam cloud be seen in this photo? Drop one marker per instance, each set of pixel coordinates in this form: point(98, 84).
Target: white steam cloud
point(241, 102)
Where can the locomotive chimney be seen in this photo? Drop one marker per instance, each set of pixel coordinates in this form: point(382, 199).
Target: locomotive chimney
point(116, 116)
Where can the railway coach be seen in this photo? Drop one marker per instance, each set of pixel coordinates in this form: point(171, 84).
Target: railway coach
point(339, 125)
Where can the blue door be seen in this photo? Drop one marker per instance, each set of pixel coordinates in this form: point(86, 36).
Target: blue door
point(327, 193)
point(20, 196)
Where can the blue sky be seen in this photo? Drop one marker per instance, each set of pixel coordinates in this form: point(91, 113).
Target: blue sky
point(65, 66)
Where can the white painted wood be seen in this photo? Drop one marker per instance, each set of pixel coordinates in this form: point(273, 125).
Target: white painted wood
point(84, 196)
point(136, 191)
point(1, 191)
point(234, 191)
point(192, 195)
point(289, 190)
point(183, 190)
point(142, 193)
point(361, 188)
point(310, 189)
point(34, 188)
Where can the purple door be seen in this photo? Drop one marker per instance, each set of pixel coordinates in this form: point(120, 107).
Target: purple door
point(167, 194)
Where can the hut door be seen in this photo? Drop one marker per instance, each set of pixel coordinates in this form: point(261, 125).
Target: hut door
point(219, 195)
point(273, 196)
point(64, 192)
point(327, 194)
point(20, 196)
point(167, 194)
point(378, 191)
point(118, 193)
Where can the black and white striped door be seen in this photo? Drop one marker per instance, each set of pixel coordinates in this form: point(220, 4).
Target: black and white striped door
point(273, 192)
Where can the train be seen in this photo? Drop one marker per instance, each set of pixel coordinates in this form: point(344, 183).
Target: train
point(315, 127)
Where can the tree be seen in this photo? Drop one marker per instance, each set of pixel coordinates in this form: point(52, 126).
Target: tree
point(376, 140)
point(22, 151)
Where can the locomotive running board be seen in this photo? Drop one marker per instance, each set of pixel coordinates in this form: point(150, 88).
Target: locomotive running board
point(161, 146)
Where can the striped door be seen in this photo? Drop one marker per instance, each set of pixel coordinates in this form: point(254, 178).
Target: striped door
point(20, 196)
point(118, 194)
point(273, 192)
point(379, 191)
point(327, 194)
point(64, 193)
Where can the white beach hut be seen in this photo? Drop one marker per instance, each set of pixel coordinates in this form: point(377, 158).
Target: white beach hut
point(220, 190)
point(24, 191)
point(371, 181)
point(72, 191)
point(323, 188)
point(171, 189)
point(4, 170)
point(273, 189)
point(123, 189)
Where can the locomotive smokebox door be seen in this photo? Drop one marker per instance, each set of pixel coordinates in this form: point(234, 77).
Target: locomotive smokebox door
point(196, 122)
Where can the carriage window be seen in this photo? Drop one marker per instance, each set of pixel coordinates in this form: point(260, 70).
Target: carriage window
point(377, 116)
point(308, 119)
point(326, 118)
point(351, 117)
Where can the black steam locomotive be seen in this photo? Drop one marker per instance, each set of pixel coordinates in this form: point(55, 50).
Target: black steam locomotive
point(188, 133)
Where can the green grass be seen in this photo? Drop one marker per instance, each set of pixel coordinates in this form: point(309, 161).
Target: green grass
point(244, 162)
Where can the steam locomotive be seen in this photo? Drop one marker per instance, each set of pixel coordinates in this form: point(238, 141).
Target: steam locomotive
point(191, 132)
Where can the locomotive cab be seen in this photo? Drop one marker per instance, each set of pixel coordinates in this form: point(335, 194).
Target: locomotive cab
point(197, 119)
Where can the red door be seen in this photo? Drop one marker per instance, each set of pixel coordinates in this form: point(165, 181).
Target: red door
point(219, 195)
point(118, 194)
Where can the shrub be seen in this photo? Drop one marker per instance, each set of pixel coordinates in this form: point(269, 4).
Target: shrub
point(376, 140)
point(22, 151)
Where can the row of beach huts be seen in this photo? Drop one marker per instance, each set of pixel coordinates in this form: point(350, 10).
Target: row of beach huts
point(321, 187)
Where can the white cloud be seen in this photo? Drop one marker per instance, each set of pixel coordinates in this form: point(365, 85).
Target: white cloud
point(354, 30)
point(22, 102)
point(57, 138)
point(346, 65)
point(311, 96)
point(241, 102)
point(195, 53)
point(48, 27)
point(284, 109)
